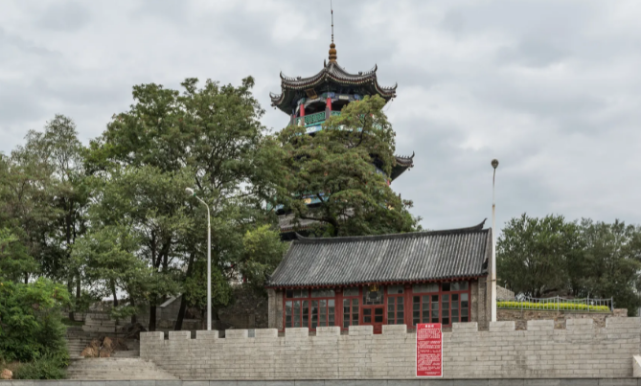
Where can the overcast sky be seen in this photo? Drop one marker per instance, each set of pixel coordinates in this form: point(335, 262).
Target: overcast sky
point(550, 88)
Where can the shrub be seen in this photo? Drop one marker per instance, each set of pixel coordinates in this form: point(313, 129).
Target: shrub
point(30, 322)
point(47, 367)
point(551, 306)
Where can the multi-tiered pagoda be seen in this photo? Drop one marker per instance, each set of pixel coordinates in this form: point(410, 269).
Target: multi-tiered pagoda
point(310, 101)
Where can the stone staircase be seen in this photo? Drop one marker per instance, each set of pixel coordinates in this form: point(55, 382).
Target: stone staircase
point(115, 369)
point(78, 339)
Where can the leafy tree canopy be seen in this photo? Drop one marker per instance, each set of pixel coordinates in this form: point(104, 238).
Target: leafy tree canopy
point(336, 166)
point(209, 138)
point(551, 256)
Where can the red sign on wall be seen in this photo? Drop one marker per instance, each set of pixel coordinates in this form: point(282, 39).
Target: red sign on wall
point(429, 350)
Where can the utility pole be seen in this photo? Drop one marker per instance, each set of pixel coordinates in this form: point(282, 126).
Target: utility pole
point(495, 164)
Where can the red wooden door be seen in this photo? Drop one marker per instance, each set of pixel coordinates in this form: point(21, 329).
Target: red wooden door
point(373, 315)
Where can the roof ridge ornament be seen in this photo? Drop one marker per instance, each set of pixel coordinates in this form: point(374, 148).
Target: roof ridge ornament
point(332, 46)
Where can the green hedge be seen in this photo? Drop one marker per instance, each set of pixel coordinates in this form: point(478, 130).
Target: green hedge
point(552, 306)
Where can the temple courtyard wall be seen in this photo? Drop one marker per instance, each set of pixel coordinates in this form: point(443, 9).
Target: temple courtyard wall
point(581, 350)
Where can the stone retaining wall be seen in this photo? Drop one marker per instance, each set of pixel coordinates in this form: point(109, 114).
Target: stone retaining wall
point(582, 350)
point(559, 317)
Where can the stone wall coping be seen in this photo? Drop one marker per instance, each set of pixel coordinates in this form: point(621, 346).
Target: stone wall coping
point(266, 333)
point(394, 329)
point(179, 335)
point(236, 334)
point(328, 331)
point(540, 325)
point(204, 334)
point(457, 328)
point(503, 326)
point(361, 330)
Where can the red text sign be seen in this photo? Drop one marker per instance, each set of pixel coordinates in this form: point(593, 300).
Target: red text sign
point(429, 350)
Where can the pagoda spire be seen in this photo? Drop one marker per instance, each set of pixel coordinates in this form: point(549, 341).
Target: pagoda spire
point(332, 46)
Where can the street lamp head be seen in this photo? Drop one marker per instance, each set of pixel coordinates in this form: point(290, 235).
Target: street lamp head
point(495, 163)
point(190, 191)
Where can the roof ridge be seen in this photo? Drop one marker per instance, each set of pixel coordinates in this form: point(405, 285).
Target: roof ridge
point(323, 240)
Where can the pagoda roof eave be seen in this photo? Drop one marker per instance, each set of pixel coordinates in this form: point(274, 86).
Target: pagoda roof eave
point(331, 73)
point(403, 163)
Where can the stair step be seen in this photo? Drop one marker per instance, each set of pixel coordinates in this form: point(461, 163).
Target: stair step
point(126, 354)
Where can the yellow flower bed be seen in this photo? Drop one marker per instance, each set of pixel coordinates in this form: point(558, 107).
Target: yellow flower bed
point(563, 306)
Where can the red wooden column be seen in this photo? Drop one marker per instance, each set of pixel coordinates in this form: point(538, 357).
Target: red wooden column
point(409, 307)
point(338, 310)
point(328, 108)
point(302, 114)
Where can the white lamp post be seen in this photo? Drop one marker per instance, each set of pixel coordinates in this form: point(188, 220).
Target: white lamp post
point(193, 194)
point(495, 164)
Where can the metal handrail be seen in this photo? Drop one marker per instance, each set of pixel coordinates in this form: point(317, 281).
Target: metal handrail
point(557, 303)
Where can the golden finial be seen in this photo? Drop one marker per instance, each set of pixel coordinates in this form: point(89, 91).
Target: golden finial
point(332, 47)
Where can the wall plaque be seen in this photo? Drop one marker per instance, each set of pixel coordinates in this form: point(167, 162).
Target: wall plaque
point(429, 350)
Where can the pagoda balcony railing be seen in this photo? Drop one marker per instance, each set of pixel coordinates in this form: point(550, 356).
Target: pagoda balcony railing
point(316, 118)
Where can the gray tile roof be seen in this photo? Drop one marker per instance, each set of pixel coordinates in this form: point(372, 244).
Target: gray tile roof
point(396, 258)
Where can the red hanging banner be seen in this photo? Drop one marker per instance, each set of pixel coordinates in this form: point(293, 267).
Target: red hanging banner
point(429, 350)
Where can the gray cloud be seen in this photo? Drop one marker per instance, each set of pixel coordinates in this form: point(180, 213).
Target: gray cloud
point(550, 88)
point(68, 16)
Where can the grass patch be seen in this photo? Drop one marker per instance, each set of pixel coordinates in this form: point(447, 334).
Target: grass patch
point(561, 306)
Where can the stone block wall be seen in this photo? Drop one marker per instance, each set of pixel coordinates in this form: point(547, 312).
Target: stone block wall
point(582, 350)
point(343, 382)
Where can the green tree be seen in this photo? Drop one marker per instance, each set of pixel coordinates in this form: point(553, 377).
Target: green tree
point(15, 263)
point(44, 197)
point(262, 252)
point(336, 166)
point(137, 222)
point(611, 263)
point(533, 254)
point(540, 257)
point(213, 133)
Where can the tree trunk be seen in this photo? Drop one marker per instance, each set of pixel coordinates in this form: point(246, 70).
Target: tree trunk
point(134, 320)
point(69, 289)
point(113, 291)
point(183, 300)
point(181, 313)
point(152, 317)
point(78, 291)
